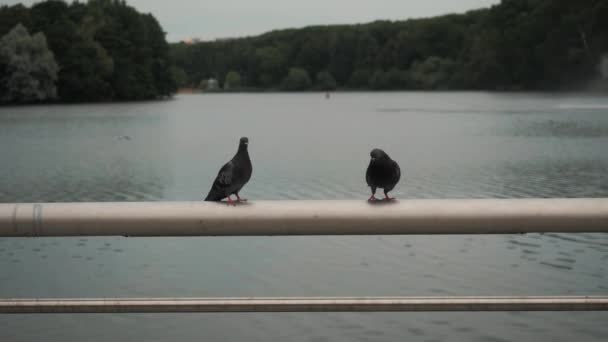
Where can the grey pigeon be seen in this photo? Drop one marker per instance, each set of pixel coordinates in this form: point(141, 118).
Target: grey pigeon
point(382, 172)
point(232, 176)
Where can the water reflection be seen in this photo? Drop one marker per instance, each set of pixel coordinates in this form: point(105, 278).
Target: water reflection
point(74, 154)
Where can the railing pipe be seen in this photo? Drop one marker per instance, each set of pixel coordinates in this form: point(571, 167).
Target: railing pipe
point(312, 304)
point(446, 216)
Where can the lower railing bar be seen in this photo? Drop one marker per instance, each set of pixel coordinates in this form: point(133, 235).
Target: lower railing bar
point(302, 304)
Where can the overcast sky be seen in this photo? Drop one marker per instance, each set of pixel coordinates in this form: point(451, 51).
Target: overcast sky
point(208, 19)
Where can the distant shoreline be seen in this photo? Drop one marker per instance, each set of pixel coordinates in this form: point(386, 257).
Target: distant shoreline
point(194, 91)
point(77, 103)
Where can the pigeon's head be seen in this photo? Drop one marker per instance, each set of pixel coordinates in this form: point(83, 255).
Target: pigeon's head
point(377, 154)
point(243, 143)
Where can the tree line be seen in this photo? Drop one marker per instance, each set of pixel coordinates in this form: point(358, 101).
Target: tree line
point(514, 45)
point(105, 50)
point(101, 50)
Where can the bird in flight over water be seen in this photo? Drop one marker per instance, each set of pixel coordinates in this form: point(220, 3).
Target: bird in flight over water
point(382, 172)
point(232, 176)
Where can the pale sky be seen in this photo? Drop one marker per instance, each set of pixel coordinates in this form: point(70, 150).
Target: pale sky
point(208, 19)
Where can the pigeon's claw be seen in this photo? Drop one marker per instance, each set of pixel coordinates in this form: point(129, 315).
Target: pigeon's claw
point(387, 198)
point(239, 199)
point(230, 201)
point(372, 198)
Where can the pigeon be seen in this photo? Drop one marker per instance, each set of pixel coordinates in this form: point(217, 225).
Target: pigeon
point(382, 172)
point(232, 176)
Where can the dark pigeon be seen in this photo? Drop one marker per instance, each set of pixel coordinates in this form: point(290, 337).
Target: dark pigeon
point(232, 176)
point(382, 172)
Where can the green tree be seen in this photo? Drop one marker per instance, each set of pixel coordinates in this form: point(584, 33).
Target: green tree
point(156, 52)
point(85, 71)
point(484, 68)
point(380, 80)
point(342, 51)
point(360, 78)
point(30, 70)
point(84, 64)
point(433, 73)
point(137, 46)
point(398, 79)
point(325, 81)
point(515, 44)
point(297, 79)
point(232, 80)
point(105, 49)
point(10, 16)
point(179, 76)
point(313, 53)
point(271, 64)
point(391, 79)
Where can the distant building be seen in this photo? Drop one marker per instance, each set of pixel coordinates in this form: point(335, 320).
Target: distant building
point(212, 84)
point(190, 41)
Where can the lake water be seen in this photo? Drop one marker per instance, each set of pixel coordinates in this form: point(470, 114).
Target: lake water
point(303, 146)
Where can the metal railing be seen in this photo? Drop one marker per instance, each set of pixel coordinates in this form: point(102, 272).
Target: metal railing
point(449, 216)
point(303, 304)
point(454, 216)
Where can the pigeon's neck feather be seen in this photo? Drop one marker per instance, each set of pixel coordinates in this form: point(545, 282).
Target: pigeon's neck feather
point(242, 153)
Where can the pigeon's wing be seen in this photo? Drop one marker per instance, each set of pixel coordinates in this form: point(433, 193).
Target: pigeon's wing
point(396, 172)
point(224, 177)
point(222, 183)
point(368, 176)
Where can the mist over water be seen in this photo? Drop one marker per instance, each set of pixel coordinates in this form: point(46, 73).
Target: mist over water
point(303, 146)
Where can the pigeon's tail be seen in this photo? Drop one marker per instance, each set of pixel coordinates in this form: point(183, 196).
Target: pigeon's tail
point(214, 196)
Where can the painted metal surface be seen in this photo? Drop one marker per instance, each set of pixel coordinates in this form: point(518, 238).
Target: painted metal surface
point(443, 216)
point(312, 304)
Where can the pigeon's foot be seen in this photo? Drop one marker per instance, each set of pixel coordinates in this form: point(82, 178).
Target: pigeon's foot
point(238, 199)
point(387, 198)
point(372, 199)
point(231, 202)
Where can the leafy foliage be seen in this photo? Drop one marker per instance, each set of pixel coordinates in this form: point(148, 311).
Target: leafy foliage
point(232, 80)
point(325, 81)
point(179, 76)
point(105, 49)
point(297, 79)
point(517, 44)
point(29, 70)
